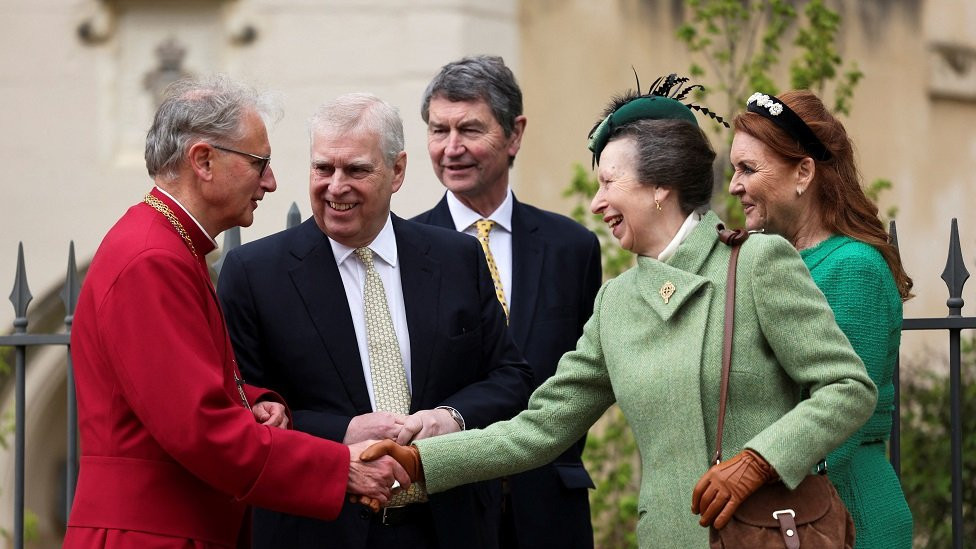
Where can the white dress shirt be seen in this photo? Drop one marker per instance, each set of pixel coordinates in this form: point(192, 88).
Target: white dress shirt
point(500, 239)
point(353, 274)
point(690, 223)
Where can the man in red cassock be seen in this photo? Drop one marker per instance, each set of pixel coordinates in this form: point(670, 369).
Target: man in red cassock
point(174, 444)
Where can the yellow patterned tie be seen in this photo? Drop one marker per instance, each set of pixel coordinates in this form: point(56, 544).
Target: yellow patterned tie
point(390, 389)
point(484, 227)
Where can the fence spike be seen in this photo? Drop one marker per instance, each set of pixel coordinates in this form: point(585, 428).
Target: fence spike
point(294, 216)
point(232, 239)
point(955, 273)
point(69, 294)
point(20, 296)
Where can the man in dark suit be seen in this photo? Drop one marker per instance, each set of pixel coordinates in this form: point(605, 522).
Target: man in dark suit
point(373, 327)
point(546, 268)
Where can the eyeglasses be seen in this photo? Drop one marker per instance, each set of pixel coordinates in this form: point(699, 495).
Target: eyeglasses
point(265, 160)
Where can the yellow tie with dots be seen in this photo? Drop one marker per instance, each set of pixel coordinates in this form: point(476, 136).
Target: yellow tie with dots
point(390, 389)
point(484, 227)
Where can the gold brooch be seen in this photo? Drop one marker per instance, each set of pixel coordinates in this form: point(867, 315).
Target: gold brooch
point(667, 291)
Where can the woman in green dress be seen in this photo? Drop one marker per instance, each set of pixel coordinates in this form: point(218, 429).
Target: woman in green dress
point(653, 346)
point(795, 176)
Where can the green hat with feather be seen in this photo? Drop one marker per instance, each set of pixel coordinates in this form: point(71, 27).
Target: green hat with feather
point(662, 102)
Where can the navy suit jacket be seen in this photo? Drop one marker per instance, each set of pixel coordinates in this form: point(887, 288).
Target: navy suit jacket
point(556, 273)
point(290, 325)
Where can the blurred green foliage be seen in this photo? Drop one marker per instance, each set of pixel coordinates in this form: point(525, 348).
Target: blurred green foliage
point(31, 526)
point(925, 450)
point(5, 369)
point(873, 191)
point(612, 459)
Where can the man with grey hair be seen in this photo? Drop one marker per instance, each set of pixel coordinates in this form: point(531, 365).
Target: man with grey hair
point(545, 266)
point(175, 445)
point(373, 327)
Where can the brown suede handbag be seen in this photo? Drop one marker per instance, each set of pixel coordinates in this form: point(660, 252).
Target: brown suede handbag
point(811, 516)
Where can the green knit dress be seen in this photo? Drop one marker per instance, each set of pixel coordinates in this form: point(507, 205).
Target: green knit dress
point(861, 291)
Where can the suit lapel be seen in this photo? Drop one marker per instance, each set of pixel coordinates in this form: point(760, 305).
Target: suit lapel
point(420, 279)
point(440, 215)
point(316, 278)
point(528, 251)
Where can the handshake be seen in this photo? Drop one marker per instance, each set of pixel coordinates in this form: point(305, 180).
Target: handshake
point(379, 470)
point(379, 467)
point(374, 466)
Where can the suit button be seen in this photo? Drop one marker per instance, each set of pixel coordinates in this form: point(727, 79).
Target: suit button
point(364, 514)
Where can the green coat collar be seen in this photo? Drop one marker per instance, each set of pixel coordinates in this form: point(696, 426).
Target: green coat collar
point(681, 271)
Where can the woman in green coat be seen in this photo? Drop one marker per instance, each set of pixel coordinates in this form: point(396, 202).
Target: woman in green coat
point(653, 346)
point(796, 177)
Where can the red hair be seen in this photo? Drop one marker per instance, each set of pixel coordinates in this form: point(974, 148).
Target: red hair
point(844, 208)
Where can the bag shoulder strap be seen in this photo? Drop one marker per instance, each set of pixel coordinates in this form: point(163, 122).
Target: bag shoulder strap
point(734, 239)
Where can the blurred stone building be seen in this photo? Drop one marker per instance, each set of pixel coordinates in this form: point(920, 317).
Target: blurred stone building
point(80, 79)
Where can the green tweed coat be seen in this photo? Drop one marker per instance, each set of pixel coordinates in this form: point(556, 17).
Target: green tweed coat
point(661, 362)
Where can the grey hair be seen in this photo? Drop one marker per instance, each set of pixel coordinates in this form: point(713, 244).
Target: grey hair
point(482, 77)
point(674, 154)
point(361, 113)
point(194, 110)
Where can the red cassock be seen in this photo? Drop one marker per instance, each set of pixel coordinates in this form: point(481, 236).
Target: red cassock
point(170, 455)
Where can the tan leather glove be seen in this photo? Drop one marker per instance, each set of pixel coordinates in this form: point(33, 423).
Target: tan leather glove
point(725, 486)
point(407, 456)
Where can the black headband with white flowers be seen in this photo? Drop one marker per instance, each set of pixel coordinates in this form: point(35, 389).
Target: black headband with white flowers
point(772, 108)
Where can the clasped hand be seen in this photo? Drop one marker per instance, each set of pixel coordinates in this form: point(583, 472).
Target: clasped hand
point(398, 427)
point(272, 414)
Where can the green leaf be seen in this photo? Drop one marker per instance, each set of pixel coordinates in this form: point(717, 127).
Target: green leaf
point(687, 33)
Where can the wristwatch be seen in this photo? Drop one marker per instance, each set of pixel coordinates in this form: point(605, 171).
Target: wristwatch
point(455, 415)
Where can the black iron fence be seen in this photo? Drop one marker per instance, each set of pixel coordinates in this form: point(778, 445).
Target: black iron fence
point(20, 340)
point(954, 275)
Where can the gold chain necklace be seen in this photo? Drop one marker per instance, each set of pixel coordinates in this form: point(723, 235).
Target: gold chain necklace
point(162, 208)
